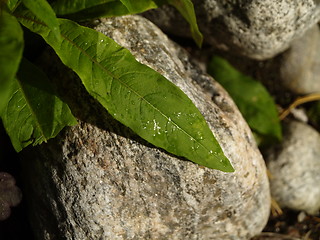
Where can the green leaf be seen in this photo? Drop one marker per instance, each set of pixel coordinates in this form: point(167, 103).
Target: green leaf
point(135, 6)
point(134, 94)
point(43, 10)
point(253, 100)
point(109, 9)
point(33, 113)
point(63, 7)
point(11, 48)
point(185, 7)
point(12, 4)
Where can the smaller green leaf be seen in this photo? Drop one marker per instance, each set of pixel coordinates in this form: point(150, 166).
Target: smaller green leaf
point(135, 6)
point(33, 113)
point(43, 10)
point(11, 48)
point(63, 7)
point(12, 4)
point(185, 7)
point(109, 9)
point(253, 100)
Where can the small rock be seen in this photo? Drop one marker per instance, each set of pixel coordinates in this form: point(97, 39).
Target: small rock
point(98, 180)
point(256, 29)
point(10, 194)
point(294, 166)
point(300, 68)
point(301, 216)
point(299, 114)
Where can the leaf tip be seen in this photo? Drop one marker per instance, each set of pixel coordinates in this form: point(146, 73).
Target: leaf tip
point(225, 166)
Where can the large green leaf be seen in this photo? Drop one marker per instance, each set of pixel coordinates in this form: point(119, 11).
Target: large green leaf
point(11, 48)
point(134, 94)
point(43, 10)
point(33, 113)
point(63, 7)
point(185, 7)
point(253, 100)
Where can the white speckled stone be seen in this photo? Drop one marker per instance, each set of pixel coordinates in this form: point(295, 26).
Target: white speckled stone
point(257, 29)
point(295, 167)
point(98, 180)
point(300, 65)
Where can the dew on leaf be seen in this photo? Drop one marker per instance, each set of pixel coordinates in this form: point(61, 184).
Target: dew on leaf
point(178, 114)
point(156, 126)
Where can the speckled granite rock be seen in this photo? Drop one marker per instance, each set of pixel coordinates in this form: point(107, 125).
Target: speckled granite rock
point(293, 72)
point(295, 167)
point(257, 29)
point(98, 180)
point(300, 68)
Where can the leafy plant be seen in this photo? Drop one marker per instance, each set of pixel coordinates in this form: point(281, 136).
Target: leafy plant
point(252, 99)
point(133, 93)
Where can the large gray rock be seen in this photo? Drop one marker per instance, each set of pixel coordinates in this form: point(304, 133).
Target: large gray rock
point(257, 29)
point(98, 180)
point(295, 167)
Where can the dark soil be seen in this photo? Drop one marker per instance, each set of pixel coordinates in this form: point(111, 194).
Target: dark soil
point(291, 225)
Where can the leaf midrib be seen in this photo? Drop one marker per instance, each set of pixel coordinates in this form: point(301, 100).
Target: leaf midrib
point(130, 89)
point(37, 122)
point(115, 77)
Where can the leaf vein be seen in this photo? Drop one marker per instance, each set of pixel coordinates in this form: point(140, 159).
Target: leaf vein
point(114, 77)
point(31, 110)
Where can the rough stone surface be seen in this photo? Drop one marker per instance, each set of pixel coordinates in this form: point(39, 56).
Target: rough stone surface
point(10, 194)
point(295, 167)
point(257, 29)
point(98, 180)
point(289, 74)
point(300, 68)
